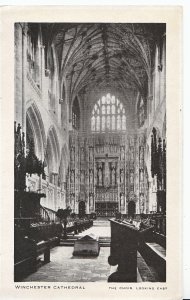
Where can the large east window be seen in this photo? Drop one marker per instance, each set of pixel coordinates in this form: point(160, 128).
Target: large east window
point(108, 114)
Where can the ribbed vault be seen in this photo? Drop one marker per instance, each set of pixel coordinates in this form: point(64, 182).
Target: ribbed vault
point(103, 55)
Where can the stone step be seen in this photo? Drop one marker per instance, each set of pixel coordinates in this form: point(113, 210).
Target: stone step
point(104, 244)
point(70, 243)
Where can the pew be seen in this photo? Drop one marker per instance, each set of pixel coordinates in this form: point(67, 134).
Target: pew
point(125, 237)
point(26, 259)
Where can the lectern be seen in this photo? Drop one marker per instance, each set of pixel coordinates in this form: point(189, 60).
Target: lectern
point(123, 251)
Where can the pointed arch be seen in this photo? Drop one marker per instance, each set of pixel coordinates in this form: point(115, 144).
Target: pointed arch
point(52, 150)
point(35, 127)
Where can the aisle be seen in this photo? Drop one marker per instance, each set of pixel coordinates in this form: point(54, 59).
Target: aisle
point(64, 267)
point(100, 228)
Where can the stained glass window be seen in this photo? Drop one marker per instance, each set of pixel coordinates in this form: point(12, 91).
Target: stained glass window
point(108, 114)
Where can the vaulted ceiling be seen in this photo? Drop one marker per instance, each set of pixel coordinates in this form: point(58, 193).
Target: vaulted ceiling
point(104, 55)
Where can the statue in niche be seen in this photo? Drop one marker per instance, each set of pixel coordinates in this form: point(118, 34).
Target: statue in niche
point(141, 156)
point(122, 177)
point(82, 177)
point(72, 154)
point(72, 200)
point(91, 201)
point(100, 177)
point(131, 177)
point(141, 176)
point(107, 197)
point(122, 200)
point(107, 173)
point(122, 153)
point(91, 154)
point(132, 154)
point(95, 176)
point(82, 154)
point(91, 177)
point(113, 175)
point(72, 177)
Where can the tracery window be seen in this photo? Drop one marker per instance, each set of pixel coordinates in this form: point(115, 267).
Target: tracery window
point(108, 114)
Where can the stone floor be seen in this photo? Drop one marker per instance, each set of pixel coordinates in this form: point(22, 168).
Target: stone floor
point(64, 267)
point(100, 228)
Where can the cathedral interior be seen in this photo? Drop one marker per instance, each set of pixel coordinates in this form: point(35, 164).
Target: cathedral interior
point(90, 144)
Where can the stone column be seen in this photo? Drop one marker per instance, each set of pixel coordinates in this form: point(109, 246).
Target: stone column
point(18, 72)
point(24, 74)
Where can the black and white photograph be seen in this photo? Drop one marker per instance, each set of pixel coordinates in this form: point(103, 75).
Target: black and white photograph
point(90, 148)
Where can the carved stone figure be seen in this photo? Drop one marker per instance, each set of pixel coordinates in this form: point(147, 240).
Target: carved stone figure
point(91, 201)
point(72, 154)
point(91, 177)
point(122, 200)
point(132, 154)
point(82, 154)
point(113, 176)
point(82, 177)
point(122, 153)
point(141, 156)
point(100, 177)
point(72, 177)
point(91, 154)
point(122, 177)
point(131, 177)
point(72, 200)
point(107, 173)
point(141, 176)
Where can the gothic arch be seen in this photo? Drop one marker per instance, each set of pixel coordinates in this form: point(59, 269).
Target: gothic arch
point(35, 124)
point(52, 150)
